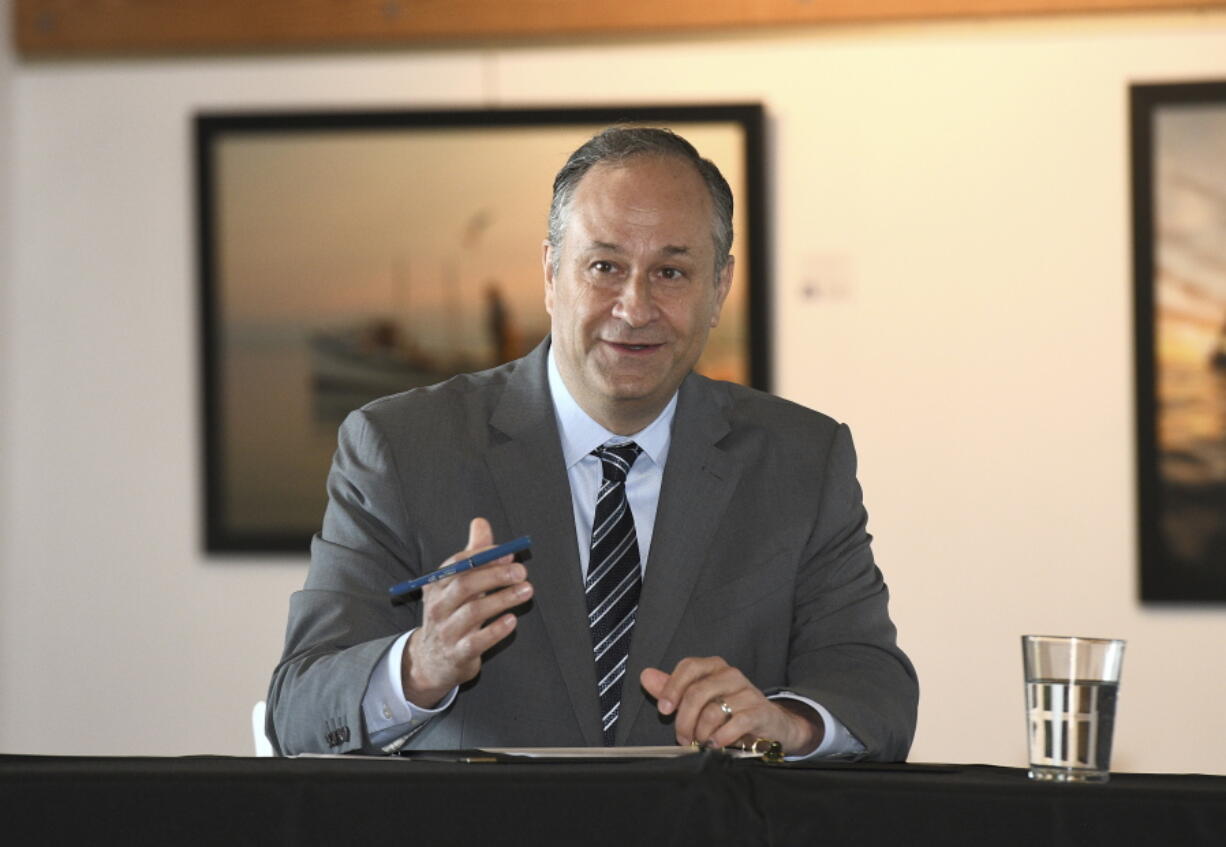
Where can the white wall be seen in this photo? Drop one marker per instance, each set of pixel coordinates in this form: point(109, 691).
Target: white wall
point(7, 347)
point(968, 185)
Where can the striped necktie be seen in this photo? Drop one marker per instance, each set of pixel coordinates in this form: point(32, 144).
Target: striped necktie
point(613, 580)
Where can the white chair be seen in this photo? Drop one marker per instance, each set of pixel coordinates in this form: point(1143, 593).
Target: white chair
point(263, 747)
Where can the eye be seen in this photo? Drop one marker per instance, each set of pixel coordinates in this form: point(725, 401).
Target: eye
point(601, 266)
point(672, 274)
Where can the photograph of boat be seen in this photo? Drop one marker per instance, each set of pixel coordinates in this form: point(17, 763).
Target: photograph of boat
point(370, 360)
point(354, 364)
point(1181, 279)
point(1218, 360)
point(349, 256)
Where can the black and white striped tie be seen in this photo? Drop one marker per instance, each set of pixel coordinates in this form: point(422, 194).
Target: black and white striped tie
point(613, 580)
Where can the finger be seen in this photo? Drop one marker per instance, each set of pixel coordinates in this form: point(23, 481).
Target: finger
point(480, 537)
point(484, 607)
point(476, 642)
point(742, 728)
point(683, 676)
point(692, 688)
point(709, 718)
point(653, 681)
point(452, 645)
point(749, 712)
point(765, 719)
point(712, 717)
point(701, 693)
point(704, 700)
point(480, 534)
point(443, 598)
point(483, 579)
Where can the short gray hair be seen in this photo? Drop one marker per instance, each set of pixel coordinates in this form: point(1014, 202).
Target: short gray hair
point(618, 144)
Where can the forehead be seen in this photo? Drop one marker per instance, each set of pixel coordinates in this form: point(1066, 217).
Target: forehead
point(659, 198)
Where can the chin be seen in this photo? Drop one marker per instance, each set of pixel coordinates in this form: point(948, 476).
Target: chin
point(633, 386)
point(623, 390)
point(629, 393)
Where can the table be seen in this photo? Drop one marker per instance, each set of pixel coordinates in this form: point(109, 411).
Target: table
point(704, 799)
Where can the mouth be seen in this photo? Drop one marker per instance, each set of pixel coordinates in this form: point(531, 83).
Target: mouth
point(637, 349)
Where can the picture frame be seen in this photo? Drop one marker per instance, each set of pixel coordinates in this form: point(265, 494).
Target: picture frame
point(1178, 149)
point(346, 255)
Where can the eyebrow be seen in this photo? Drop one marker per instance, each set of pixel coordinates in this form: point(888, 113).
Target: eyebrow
point(668, 249)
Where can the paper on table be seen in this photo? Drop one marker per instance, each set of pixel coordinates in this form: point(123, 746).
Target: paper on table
point(661, 752)
point(487, 754)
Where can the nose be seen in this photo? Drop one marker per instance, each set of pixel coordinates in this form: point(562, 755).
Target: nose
point(635, 305)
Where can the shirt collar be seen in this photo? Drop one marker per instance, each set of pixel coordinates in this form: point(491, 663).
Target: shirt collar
point(581, 435)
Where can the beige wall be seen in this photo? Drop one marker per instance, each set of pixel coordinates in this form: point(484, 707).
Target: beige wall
point(958, 192)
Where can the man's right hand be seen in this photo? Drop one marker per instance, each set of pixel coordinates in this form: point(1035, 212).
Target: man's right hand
point(446, 649)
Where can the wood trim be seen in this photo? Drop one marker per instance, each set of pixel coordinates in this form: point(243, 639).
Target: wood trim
point(91, 27)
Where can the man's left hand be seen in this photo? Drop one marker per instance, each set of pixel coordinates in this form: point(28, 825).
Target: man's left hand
point(716, 705)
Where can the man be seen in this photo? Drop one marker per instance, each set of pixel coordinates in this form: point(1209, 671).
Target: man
point(701, 570)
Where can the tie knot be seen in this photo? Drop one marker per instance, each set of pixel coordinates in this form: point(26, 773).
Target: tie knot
point(616, 459)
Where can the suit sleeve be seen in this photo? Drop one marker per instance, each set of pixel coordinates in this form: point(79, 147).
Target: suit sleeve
point(341, 622)
point(844, 651)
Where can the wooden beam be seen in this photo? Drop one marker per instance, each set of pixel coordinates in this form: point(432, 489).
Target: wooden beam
point(93, 27)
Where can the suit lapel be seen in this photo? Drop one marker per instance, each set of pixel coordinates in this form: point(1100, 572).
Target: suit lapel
point(699, 479)
point(530, 476)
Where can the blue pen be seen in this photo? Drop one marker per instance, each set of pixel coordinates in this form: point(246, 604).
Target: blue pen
point(519, 545)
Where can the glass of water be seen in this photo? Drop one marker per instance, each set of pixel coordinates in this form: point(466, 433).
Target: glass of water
point(1071, 688)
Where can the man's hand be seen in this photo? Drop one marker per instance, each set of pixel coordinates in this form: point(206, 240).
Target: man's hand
point(446, 650)
point(695, 690)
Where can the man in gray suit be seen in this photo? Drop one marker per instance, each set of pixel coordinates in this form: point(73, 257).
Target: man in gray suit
point(750, 605)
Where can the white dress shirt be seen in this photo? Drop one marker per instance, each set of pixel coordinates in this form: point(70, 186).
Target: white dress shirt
point(391, 719)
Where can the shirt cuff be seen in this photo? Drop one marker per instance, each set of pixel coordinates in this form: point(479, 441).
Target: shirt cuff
point(837, 740)
point(391, 720)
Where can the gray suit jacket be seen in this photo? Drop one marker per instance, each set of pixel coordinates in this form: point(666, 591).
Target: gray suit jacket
point(759, 555)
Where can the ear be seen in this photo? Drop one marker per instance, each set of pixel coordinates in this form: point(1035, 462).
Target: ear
point(722, 285)
point(547, 267)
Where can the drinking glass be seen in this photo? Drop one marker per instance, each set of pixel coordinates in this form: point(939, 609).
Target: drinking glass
point(1071, 689)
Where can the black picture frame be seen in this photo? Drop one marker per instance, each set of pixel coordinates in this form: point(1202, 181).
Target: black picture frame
point(1178, 149)
point(271, 198)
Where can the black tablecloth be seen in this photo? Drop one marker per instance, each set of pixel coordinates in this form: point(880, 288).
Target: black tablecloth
point(706, 799)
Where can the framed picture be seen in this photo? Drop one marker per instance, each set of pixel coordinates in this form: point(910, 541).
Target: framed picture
point(1179, 218)
point(344, 256)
